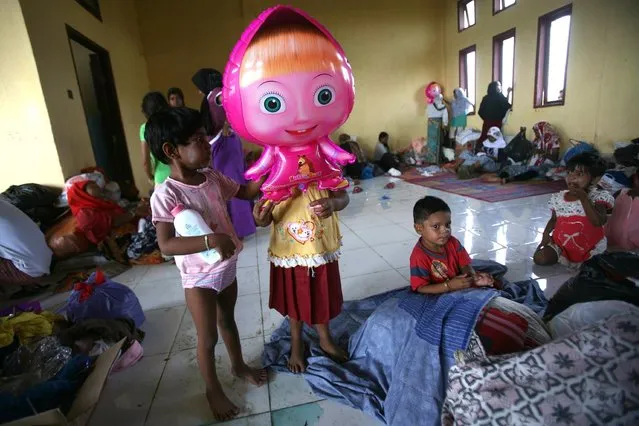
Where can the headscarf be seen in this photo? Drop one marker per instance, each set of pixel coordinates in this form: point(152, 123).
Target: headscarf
point(494, 105)
point(209, 81)
point(546, 137)
point(460, 105)
point(497, 144)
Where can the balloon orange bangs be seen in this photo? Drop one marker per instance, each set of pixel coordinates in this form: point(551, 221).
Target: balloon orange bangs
point(278, 51)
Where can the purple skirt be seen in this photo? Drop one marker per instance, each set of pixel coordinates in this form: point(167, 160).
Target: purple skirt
point(227, 158)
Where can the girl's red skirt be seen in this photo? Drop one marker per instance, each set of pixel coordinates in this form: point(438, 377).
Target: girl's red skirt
point(311, 295)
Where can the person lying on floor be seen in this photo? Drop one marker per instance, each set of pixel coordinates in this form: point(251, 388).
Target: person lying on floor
point(98, 216)
point(469, 165)
point(545, 156)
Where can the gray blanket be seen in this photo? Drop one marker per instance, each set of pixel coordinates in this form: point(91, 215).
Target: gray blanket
point(401, 346)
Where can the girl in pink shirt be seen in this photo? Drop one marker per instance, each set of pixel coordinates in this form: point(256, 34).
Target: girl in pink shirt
point(177, 138)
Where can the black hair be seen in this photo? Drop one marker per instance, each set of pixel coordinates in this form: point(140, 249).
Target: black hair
point(427, 206)
point(173, 126)
point(382, 135)
point(492, 88)
point(175, 91)
point(590, 162)
point(153, 102)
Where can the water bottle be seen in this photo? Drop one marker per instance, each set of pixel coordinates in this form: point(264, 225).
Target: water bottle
point(189, 223)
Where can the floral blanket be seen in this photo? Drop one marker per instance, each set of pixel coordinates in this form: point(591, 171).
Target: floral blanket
point(588, 378)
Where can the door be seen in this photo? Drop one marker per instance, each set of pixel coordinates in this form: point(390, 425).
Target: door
point(101, 108)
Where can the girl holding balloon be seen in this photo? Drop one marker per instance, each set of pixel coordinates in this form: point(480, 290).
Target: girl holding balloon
point(287, 87)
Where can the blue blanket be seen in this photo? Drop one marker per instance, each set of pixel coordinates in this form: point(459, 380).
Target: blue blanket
point(401, 346)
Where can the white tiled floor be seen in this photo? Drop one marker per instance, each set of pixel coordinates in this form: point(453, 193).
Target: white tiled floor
point(165, 387)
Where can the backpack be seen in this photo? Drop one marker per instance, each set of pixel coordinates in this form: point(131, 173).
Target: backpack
point(519, 149)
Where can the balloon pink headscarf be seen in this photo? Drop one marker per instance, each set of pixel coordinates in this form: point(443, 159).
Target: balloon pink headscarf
point(231, 92)
point(432, 90)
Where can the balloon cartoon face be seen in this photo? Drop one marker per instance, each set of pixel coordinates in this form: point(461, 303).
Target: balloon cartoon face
point(432, 91)
point(296, 108)
point(287, 86)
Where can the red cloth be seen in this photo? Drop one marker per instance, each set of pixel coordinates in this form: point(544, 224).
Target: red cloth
point(429, 267)
point(94, 215)
point(311, 295)
point(501, 332)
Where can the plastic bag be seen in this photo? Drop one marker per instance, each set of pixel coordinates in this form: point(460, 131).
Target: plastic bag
point(628, 155)
point(100, 297)
point(32, 364)
point(581, 315)
point(36, 201)
point(519, 148)
point(579, 147)
point(606, 276)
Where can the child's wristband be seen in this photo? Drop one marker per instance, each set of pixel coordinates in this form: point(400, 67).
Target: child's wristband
point(446, 284)
point(206, 242)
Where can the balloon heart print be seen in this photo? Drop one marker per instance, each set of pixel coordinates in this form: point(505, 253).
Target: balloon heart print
point(287, 86)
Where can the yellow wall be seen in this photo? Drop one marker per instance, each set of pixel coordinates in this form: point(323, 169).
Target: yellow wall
point(393, 47)
point(602, 85)
point(28, 149)
point(118, 33)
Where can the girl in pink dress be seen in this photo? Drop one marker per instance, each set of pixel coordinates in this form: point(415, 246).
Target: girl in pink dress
point(178, 139)
point(575, 231)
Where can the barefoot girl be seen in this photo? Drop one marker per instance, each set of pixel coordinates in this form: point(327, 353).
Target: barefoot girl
point(178, 139)
point(305, 280)
point(575, 231)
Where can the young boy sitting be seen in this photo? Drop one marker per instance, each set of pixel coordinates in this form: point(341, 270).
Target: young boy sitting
point(439, 263)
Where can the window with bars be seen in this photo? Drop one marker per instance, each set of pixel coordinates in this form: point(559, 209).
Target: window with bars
point(467, 72)
point(465, 14)
point(504, 61)
point(553, 37)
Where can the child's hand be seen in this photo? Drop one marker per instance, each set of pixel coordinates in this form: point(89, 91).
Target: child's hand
point(323, 208)
point(579, 194)
point(460, 282)
point(484, 279)
point(263, 212)
point(222, 243)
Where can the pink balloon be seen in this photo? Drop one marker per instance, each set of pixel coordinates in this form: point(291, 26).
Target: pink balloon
point(432, 90)
point(290, 113)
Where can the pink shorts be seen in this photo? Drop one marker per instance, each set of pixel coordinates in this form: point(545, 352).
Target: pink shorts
point(217, 280)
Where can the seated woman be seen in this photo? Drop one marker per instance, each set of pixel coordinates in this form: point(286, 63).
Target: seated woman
point(361, 168)
point(97, 216)
point(545, 156)
point(383, 156)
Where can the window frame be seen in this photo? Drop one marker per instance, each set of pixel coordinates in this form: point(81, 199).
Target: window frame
point(497, 56)
point(463, 72)
point(461, 8)
point(92, 7)
point(496, 9)
point(541, 61)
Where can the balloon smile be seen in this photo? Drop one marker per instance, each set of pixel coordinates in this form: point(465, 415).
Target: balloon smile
point(301, 132)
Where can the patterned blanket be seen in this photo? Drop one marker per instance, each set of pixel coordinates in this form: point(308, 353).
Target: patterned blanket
point(588, 378)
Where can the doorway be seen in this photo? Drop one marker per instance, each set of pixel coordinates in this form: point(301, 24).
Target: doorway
point(101, 108)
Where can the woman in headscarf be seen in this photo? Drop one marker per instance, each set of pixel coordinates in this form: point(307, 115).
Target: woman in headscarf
point(227, 156)
point(493, 109)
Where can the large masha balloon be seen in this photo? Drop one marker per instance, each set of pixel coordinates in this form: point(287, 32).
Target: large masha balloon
point(287, 86)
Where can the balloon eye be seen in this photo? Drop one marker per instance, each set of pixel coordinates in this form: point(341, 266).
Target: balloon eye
point(218, 99)
point(324, 96)
point(272, 104)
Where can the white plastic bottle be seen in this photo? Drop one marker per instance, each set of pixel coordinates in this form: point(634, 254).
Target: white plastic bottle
point(189, 223)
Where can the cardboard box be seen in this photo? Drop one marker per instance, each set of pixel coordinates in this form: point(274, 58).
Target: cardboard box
point(85, 400)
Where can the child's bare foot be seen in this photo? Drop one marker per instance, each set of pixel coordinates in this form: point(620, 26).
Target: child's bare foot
point(296, 360)
point(221, 406)
point(256, 376)
point(334, 352)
